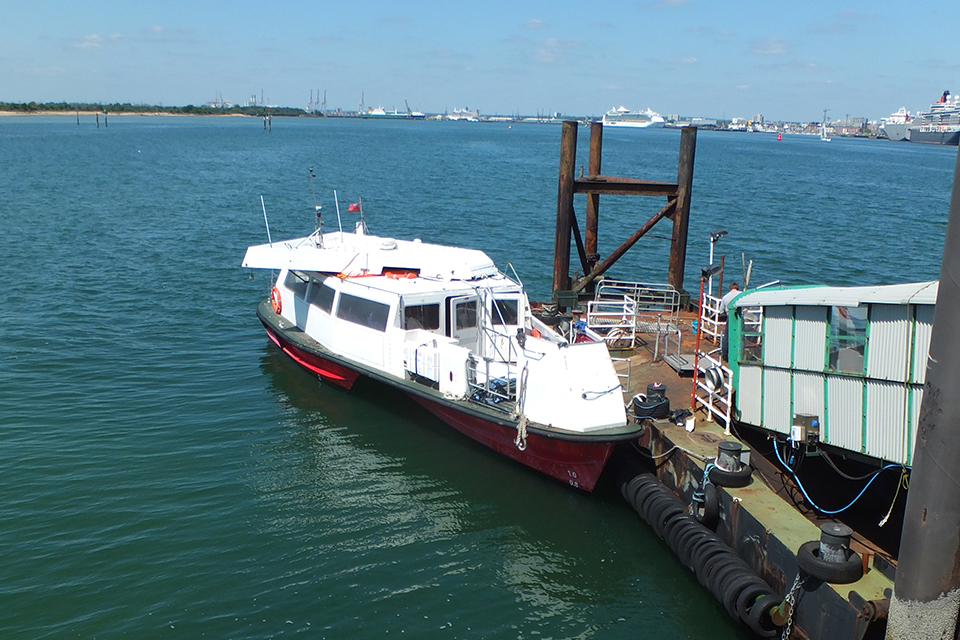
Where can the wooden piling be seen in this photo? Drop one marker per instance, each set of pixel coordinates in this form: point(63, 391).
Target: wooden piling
point(561, 247)
point(593, 199)
point(681, 216)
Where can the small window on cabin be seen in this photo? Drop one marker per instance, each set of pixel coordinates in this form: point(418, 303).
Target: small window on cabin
point(321, 295)
point(751, 336)
point(297, 282)
point(505, 312)
point(367, 313)
point(423, 316)
point(847, 339)
point(466, 315)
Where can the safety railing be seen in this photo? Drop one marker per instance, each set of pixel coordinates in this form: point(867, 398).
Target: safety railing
point(713, 388)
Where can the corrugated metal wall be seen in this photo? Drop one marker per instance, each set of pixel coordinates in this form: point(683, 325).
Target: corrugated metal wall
point(875, 414)
point(889, 342)
point(777, 336)
point(750, 394)
point(921, 341)
point(844, 402)
point(776, 400)
point(810, 342)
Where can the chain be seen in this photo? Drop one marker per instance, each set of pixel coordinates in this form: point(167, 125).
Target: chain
point(791, 601)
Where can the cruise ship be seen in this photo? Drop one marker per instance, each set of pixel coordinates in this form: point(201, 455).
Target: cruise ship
point(623, 117)
point(939, 125)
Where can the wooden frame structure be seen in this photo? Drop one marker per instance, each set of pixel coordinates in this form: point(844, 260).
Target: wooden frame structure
point(566, 292)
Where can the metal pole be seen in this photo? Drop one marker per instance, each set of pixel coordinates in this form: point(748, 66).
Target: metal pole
point(927, 589)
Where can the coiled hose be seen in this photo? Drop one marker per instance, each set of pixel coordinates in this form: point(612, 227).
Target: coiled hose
point(719, 569)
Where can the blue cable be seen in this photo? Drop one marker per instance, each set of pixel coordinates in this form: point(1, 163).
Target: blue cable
point(776, 450)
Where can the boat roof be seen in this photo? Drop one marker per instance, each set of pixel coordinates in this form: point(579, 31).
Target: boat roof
point(914, 293)
point(355, 254)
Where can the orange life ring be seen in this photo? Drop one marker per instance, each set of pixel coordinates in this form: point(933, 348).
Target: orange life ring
point(275, 300)
point(535, 333)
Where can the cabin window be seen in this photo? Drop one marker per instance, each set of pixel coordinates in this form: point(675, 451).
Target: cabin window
point(297, 282)
point(367, 313)
point(466, 315)
point(423, 316)
point(321, 296)
point(505, 312)
point(847, 339)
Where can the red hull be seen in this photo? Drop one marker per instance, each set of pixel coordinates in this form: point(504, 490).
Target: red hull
point(579, 464)
point(329, 371)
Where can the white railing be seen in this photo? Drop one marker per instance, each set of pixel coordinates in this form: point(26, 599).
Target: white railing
point(713, 388)
point(711, 324)
point(624, 377)
point(614, 319)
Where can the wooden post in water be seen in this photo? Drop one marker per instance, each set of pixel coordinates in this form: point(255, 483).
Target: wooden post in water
point(561, 247)
point(681, 217)
point(593, 199)
point(98, 119)
point(926, 594)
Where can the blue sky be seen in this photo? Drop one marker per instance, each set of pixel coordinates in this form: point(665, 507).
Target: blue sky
point(785, 60)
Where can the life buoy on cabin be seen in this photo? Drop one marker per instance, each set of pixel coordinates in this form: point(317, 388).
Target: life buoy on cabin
point(401, 275)
point(275, 300)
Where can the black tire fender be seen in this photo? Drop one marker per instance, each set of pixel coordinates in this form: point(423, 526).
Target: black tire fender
point(750, 596)
point(710, 513)
point(809, 561)
point(732, 479)
point(760, 621)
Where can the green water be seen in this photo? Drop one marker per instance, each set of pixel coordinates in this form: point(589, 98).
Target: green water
point(167, 472)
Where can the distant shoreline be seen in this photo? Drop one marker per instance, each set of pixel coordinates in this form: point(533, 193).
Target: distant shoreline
point(126, 114)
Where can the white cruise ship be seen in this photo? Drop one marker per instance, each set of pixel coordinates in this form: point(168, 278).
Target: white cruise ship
point(623, 117)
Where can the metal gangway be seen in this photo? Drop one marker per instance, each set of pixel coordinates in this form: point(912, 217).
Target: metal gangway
point(622, 311)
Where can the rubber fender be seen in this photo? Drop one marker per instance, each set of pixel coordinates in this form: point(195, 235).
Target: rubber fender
point(732, 479)
point(715, 565)
point(721, 574)
point(708, 513)
point(673, 526)
point(760, 622)
point(732, 589)
point(709, 560)
point(808, 559)
point(750, 596)
point(688, 541)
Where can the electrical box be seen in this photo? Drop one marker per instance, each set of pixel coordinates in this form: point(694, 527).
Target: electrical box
point(805, 428)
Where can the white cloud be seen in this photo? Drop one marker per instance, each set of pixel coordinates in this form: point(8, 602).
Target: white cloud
point(535, 24)
point(92, 41)
point(770, 47)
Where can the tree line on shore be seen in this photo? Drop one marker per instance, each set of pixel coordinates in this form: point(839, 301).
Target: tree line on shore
point(68, 107)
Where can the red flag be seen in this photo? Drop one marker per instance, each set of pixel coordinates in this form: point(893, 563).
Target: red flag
point(354, 207)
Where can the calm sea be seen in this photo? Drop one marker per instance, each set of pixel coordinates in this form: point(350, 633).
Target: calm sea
point(166, 472)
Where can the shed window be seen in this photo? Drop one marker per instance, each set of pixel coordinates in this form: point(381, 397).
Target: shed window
point(367, 313)
point(847, 339)
point(423, 316)
point(751, 347)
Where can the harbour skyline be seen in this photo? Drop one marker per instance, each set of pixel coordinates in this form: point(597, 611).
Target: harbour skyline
point(673, 56)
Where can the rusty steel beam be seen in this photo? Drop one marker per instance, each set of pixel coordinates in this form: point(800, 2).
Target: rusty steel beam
point(593, 199)
point(622, 249)
point(681, 218)
point(926, 593)
point(624, 186)
point(561, 247)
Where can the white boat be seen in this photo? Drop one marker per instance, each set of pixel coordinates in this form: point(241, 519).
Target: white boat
point(456, 335)
point(939, 125)
point(623, 117)
point(823, 128)
point(464, 114)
